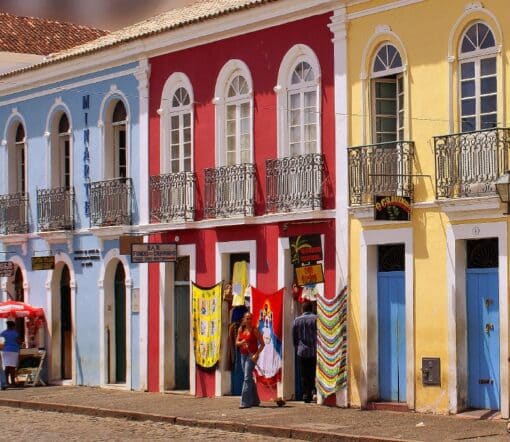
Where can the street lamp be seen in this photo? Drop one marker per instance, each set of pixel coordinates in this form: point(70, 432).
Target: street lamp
point(503, 189)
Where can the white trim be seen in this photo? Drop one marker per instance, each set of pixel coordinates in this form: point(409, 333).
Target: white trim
point(222, 377)
point(67, 87)
point(382, 8)
point(14, 118)
point(110, 257)
point(229, 70)
point(182, 250)
point(457, 345)
point(296, 54)
point(174, 82)
point(342, 130)
point(18, 262)
point(368, 385)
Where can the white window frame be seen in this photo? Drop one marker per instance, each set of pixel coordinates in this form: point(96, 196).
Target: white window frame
point(476, 57)
point(230, 70)
point(297, 54)
point(20, 152)
point(176, 81)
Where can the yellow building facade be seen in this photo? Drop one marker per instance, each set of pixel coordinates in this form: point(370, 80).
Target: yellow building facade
point(427, 120)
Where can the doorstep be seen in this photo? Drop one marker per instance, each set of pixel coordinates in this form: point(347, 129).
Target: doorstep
point(388, 406)
point(480, 414)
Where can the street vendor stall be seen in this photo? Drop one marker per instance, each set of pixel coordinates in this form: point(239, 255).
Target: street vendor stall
point(32, 357)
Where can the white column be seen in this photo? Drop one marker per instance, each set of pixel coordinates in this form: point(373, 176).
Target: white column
point(142, 76)
point(338, 27)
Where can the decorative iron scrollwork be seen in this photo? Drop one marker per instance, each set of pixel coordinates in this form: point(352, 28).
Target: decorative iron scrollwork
point(55, 209)
point(110, 202)
point(14, 213)
point(172, 197)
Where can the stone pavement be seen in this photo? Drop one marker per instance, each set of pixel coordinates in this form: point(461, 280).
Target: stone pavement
point(294, 420)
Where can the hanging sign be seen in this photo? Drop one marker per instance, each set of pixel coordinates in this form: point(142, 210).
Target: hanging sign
point(305, 249)
point(6, 269)
point(43, 262)
point(307, 275)
point(152, 252)
point(125, 242)
point(392, 208)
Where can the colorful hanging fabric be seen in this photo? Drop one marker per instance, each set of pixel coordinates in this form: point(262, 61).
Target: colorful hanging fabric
point(332, 344)
point(239, 282)
point(206, 303)
point(267, 317)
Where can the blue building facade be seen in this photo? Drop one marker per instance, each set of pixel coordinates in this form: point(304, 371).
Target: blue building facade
point(70, 159)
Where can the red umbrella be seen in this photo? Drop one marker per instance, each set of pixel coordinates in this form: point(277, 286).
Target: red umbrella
point(15, 309)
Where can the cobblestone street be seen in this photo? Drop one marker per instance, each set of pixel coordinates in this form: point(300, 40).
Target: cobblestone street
point(22, 425)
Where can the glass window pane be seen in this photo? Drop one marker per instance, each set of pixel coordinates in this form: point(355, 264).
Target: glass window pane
point(387, 124)
point(295, 134)
point(245, 110)
point(467, 88)
point(310, 133)
point(489, 85)
point(174, 121)
point(231, 158)
point(486, 38)
point(231, 112)
point(231, 144)
point(386, 107)
point(295, 118)
point(294, 149)
point(310, 115)
point(295, 101)
point(488, 66)
point(186, 133)
point(187, 165)
point(468, 124)
point(231, 127)
point(175, 152)
point(187, 149)
point(385, 90)
point(489, 104)
point(175, 137)
point(467, 70)
point(310, 99)
point(175, 166)
point(186, 120)
point(489, 121)
point(245, 125)
point(468, 107)
point(245, 156)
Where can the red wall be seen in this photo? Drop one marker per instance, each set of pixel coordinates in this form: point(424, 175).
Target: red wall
point(262, 51)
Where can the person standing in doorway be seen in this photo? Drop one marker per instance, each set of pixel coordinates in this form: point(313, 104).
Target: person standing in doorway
point(10, 352)
point(304, 333)
point(250, 344)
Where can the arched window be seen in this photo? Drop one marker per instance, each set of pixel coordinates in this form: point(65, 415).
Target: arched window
point(303, 118)
point(387, 95)
point(119, 122)
point(61, 153)
point(180, 117)
point(478, 85)
point(17, 160)
point(238, 129)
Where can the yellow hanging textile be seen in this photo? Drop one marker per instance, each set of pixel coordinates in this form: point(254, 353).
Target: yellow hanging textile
point(239, 282)
point(206, 303)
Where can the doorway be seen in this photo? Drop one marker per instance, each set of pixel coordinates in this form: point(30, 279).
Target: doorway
point(182, 322)
point(119, 354)
point(19, 295)
point(483, 329)
point(391, 323)
point(65, 325)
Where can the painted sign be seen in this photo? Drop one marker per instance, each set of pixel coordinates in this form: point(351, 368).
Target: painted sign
point(6, 269)
point(153, 252)
point(392, 208)
point(305, 249)
point(43, 262)
point(309, 275)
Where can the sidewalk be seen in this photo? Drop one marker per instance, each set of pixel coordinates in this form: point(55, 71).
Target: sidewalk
point(294, 420)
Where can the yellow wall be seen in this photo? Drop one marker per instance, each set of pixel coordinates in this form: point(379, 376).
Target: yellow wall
point(421, 32)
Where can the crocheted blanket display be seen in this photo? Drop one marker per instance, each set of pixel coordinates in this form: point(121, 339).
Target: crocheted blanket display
point(332, 343)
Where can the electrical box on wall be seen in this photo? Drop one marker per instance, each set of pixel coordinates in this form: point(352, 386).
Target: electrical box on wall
point(431, 371)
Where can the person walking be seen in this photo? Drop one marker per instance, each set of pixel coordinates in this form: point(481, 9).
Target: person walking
point(250, 343)
point(304, 333)
point(10, 353)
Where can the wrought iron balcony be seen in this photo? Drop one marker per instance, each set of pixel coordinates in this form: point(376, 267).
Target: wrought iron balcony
point(110, 202)
point(380, 169)
point(172, 197)
point(294, 183)
point(14, 213)
point(229, 191)
point(55, 209)
point(469, 163)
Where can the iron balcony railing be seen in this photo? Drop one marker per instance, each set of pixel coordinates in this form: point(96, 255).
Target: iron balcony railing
point(14, 213)
point(294, 183)
point(110, 202)
point(172, 197)
point(469, 163)
point(380, 169)
point(229, 191)
point(55, 209)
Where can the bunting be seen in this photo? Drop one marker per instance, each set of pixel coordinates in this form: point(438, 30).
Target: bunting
point(207, 324)
point(332, 343)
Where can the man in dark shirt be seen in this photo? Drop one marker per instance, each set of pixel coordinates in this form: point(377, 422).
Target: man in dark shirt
point(304, 333)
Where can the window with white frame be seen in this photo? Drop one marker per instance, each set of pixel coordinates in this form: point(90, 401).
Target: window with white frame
point(478, 84)
point(61, 161)
point(17, 166)
point(119, 123)
point(388, 95)
point(238, 122)
point(180, 131)
point(303, 115)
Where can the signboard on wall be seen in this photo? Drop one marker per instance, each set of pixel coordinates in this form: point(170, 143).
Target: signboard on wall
point(152, 252)
point(392, 208)
point(305, 249)
point(307, 275)
point(6, 269)
point(43, 262)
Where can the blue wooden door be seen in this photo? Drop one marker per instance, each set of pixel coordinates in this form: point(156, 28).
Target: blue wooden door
point(392, 338)
point(483, 338)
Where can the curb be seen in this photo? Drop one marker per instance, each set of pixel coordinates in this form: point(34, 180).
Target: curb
point(236, 427)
